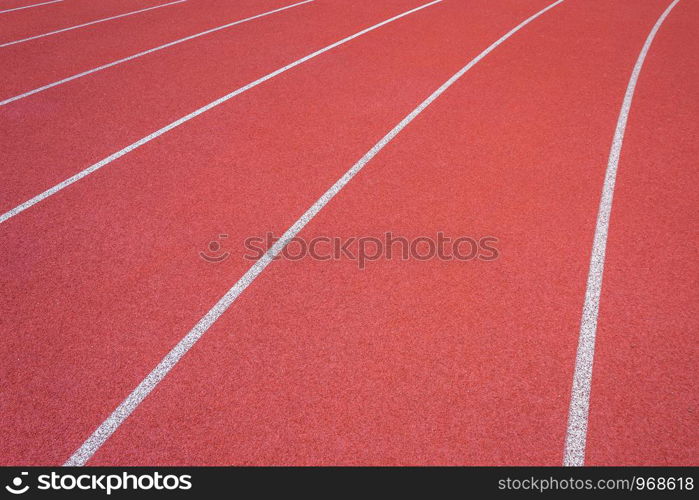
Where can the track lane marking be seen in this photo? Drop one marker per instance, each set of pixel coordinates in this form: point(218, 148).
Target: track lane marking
point(576, 434)
point(63, 30)
point(96, 166)
point(144, 53)
point(122, 412)
point(29, 6)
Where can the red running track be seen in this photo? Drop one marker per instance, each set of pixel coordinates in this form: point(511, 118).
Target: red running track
point(320, 362)
point(49, 17)
point(111, 101)
point(644, 395)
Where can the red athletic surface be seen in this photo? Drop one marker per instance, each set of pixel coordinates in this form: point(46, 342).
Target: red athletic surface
point(84, 48)
point(320, 362)
point(50, 17)
point(644, 393)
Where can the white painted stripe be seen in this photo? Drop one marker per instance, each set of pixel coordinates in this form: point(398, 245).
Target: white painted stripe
point(29, 6)
point(576, 435)
point(112, 423)
point(145, 52)
point(62, 185)
point(7, 44)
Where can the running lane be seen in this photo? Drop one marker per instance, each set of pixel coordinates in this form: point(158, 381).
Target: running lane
point(35, 63)
point(8, 6)
point(644, 402)
point(110, 266)
point(435, 362)
point(15, 4)
point(27, 22)
point(55, 134)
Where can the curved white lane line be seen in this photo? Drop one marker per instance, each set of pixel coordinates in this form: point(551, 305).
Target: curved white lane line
point(576, 435)
point(29, 6)
point(62, 185)
point(7, 44)
point(112, 423)
point(141, 54)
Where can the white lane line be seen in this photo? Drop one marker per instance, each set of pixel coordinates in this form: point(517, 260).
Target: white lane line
point(29, 6)
point(145, 52)
point(62, 185)
point(112, 423)
point(7, 44)
point(576, 435)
